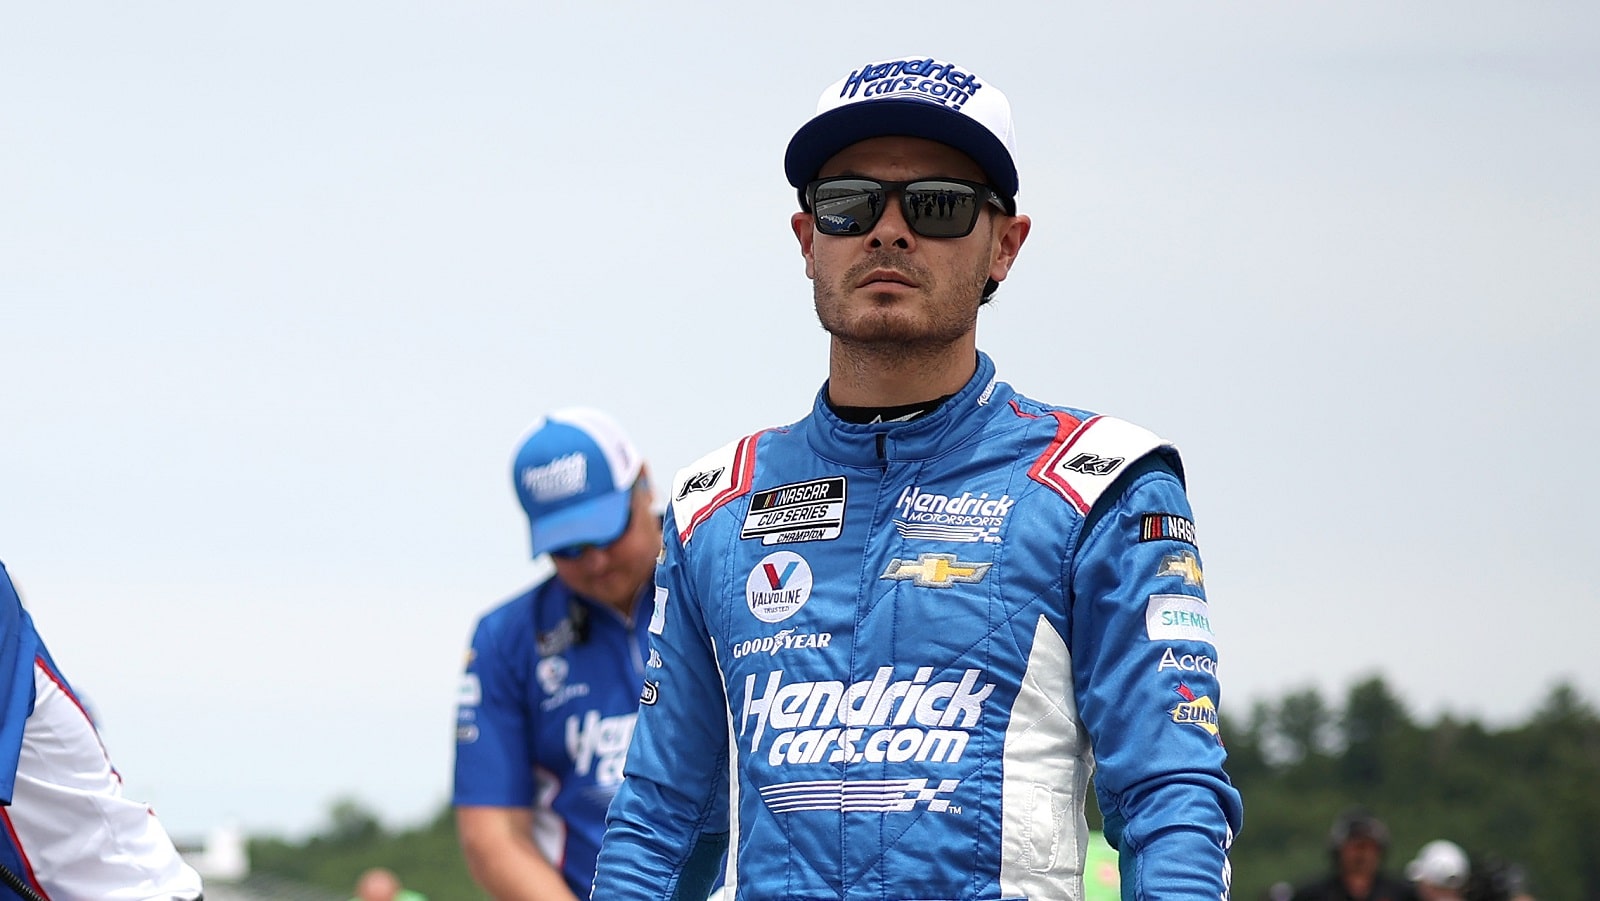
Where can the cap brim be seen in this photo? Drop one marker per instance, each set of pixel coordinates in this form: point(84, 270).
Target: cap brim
point(598, 521)
point(824, 136)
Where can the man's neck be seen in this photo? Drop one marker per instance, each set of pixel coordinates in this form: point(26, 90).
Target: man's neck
point(870, 376)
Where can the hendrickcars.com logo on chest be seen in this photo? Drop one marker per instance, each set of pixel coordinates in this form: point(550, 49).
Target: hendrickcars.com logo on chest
point(878, 720)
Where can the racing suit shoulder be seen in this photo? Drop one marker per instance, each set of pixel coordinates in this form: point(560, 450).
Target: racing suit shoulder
point(1090, 452)
point(714, 480)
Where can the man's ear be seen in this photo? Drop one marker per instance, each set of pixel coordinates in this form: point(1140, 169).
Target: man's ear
point(805, 231)
point(1008, 244)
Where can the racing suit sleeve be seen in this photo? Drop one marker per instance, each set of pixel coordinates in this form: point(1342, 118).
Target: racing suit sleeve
point(668, 824)
point(1144, 667)
point(16, 683)
point(492, 726)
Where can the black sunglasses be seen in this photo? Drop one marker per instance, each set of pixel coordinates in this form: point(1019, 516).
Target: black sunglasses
point(575, 551)
point(933, 207)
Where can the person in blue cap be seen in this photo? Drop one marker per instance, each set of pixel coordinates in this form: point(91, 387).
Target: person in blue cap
point(552, 682)
point(895, 638)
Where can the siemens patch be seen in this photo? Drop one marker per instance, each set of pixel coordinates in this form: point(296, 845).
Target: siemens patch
point(1180, 617)
point(803, 511)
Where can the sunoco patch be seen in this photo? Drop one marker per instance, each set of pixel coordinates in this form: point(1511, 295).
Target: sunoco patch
point(803, 511)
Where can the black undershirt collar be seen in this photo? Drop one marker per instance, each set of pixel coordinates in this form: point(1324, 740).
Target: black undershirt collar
point(899, 413)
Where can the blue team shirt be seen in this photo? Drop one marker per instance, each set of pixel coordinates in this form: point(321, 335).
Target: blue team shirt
point(546, 714)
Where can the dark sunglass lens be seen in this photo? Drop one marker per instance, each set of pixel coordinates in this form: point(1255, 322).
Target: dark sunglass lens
point(847, 206)
point(941, 209)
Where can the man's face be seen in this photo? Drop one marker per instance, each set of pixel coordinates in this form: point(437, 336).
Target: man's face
point(613, 574)
point(1360, 855)
point(891, 286)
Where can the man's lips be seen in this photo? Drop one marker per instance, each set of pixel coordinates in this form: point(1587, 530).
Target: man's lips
point(887, 275)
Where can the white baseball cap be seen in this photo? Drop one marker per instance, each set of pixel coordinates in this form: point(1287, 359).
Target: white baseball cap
point(1440, 863)
point(918, 96)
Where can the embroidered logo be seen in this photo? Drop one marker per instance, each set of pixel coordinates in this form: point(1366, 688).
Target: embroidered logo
point(936, 570)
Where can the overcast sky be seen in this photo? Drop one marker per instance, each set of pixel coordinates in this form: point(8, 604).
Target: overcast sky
point(282, 283)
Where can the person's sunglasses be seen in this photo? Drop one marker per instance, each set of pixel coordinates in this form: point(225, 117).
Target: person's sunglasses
point(575, 551)
point(933, 207)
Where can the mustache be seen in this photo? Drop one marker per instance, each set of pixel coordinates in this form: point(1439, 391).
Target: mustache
point(883, 259)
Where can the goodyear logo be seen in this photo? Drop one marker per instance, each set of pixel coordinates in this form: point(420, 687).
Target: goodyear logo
point(936, 570)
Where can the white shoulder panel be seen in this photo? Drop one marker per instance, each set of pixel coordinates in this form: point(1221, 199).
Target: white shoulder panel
point(711, 481)
point(1082, 464)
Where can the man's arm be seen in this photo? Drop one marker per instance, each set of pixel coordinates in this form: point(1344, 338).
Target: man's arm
point(668, 824)
point(498, 845)
point(495, 792)
point(1144, 667)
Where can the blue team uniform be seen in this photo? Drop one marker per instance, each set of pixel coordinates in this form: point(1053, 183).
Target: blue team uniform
point(546, 713)
point(890, 656)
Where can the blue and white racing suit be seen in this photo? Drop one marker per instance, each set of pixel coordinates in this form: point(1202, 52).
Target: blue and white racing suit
point(546, 711)
point(895, 652)
point(67, 831)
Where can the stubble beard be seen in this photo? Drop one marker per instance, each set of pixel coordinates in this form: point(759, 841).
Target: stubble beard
point(886, 332)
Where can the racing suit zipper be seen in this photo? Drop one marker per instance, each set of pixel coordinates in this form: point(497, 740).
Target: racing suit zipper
point(882, 439)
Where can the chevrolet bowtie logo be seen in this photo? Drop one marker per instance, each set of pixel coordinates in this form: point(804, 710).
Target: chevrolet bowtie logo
point(936, 570)
point(1185, 566)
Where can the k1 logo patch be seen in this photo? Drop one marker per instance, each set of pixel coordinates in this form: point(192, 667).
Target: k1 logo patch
point(701, 481)
point(1094, 464)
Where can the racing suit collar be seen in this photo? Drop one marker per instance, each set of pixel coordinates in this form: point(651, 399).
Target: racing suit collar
point(955, 421)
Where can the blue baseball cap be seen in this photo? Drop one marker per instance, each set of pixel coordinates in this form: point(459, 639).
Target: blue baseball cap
point(573, 473)
point(917, 96)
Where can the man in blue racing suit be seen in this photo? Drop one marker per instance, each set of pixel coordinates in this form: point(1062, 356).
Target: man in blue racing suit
point(893, 641)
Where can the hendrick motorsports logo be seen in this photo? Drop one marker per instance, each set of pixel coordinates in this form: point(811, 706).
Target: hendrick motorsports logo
point(942, 517)
point(778, 586)
point(936, 571)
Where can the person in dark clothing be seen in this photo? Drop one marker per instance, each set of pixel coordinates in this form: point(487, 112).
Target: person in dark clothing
point(1357, 844)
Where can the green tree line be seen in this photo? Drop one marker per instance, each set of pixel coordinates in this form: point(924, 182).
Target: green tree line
point(1528, 795)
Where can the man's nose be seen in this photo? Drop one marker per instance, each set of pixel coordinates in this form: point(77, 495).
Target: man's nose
point(892, 229)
